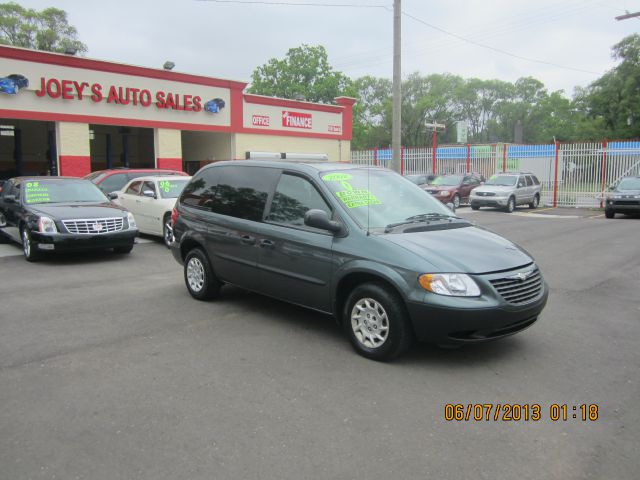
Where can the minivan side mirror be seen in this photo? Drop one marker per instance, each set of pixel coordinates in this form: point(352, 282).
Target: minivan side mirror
point(3, 221)
point(320, 219)
point(112, 195)
point(10, 198)
point(451, 207)
point(149, 193)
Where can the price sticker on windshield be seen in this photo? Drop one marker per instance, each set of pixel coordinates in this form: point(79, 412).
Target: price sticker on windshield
point(165, 185)
point(35, 193)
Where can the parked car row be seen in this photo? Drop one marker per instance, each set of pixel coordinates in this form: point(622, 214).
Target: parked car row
point(58, 214)
point(505, 191)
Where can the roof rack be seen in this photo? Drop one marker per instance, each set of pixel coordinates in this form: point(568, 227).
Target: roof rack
point(287, 156)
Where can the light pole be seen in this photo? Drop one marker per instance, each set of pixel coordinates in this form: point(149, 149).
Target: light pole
point(396, 132)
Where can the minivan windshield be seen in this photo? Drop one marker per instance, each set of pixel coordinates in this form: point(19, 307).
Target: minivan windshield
point(502, 180)
point(377, 198)
point(61, 191)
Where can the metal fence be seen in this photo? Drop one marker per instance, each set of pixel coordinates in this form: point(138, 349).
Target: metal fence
point(571, 174)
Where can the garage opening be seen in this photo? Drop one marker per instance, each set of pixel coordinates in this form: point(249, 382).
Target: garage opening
point(27, 147)
point(114, 147)
point(201, 148)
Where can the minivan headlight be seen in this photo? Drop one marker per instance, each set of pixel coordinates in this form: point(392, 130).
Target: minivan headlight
point(131, 220)
point(451, 284)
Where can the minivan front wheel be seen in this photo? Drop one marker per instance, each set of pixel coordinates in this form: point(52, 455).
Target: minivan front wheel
point(198, 276)
point(376, 322)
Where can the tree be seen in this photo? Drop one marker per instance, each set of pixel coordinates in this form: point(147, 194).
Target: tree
point(305, 72)
point(615, 97)
point(374, 103)
point(47, 30)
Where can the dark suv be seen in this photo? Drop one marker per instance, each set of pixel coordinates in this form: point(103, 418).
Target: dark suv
point(386, 259)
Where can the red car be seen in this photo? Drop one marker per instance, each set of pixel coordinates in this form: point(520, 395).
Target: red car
point(114, 179)
point(454, 188)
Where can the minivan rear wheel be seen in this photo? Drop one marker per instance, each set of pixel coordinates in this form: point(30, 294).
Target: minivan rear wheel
point(198, 276)
point(536, 202)
point(376, 322)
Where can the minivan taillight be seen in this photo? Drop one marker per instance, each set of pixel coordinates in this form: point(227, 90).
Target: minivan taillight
point(174, 217)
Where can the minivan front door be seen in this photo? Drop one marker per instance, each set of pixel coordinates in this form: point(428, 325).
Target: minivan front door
point(295, 261)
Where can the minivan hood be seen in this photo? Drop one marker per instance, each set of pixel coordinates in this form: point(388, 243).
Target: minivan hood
point(463, 250)
point(67, 211)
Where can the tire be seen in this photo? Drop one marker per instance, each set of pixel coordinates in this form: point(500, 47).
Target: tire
point(511, 205)
point(201, 283)
point(475, 206)
point(456, 201)
point(167, 231)
point(385, 333)
point(609, 213)
point(30, 254)
point(123, 250)
point(536, 201)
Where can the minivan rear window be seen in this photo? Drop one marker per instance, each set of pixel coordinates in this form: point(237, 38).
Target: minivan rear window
point(236, 191)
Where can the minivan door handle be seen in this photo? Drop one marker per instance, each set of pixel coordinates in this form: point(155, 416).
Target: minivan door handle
point(248, 240)
point(267, 243)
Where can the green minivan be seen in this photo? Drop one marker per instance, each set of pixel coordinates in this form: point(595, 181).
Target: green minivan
point(363, 244)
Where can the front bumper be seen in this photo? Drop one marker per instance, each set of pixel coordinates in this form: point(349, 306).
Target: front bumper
point(463, 323)
point(488, 201)
point(623, 206)
point(67, 242)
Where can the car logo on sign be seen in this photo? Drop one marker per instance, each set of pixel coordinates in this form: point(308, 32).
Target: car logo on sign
point(97, 227)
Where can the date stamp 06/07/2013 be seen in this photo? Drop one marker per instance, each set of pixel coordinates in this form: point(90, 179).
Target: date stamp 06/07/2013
point(520, 412)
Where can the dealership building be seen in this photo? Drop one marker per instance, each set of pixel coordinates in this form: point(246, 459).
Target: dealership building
point(66, 115)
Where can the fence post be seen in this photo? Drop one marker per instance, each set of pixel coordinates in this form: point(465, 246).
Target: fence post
point(604, 171)
point(555, 177)
point(434, 146)
point(468, 158)
point(375, 156)
point(504, 157)
point(402, 160)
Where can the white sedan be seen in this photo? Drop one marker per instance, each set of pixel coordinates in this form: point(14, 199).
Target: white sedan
point(151, 199)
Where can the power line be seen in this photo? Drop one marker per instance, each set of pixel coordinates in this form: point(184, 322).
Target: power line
point(504, 26)
point(298, 4)
point(497, 50)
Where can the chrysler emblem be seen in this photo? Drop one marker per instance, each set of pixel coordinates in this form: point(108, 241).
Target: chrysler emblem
point(522, 276)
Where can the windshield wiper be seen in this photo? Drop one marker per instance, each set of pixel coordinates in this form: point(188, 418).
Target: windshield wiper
point(419, 218)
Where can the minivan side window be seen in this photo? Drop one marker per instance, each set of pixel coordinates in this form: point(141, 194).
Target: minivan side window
point(243, 191)
point(535, 180)
point(294, 196)
point(201, 190)
point(529, 181)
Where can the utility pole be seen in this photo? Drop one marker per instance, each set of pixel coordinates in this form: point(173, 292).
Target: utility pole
point(396, 132)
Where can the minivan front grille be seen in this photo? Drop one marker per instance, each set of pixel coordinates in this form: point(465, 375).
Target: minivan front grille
point(519, 287)
point(94, 226)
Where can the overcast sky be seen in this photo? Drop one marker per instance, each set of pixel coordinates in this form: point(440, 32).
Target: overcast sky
point(229, 39)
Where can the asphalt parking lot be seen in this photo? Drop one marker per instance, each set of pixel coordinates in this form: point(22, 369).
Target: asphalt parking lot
point(109, 370)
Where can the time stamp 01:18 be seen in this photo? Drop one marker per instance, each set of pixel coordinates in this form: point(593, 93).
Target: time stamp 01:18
point(516, 412)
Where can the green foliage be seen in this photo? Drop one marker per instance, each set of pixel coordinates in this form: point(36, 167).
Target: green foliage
point(614, 99)
point(48, 30)
point(305, 72)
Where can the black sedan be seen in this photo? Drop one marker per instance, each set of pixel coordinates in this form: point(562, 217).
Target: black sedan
point(624, 197)
point(59, 214)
